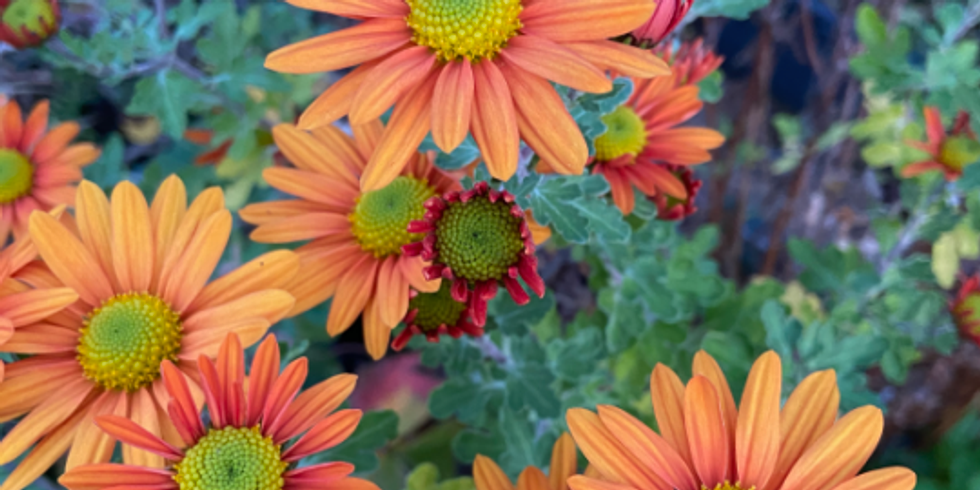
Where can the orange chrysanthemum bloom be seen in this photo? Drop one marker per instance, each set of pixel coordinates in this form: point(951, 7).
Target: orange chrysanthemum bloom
point(642, 136)
point(966, 309)
point(38, 168)
point(670, 208)
point(692, 62)
point(252, 418)
point(705, 442)
point(948, 154)
point(141, 273)
point(469, 66)
point(488, 476)
point(356, 236)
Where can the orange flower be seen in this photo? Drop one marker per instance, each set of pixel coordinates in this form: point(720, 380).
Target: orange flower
point(641, 140)
point(706, 442)
point(38, 168)
point(966, 309)
point(356, 236)
point(252, 418)
point(479, 66)
point(948, 154)
point(28, 23)
point(488, 476)
point(692, 63)
point(664, 20)
point(141, 274)
point(670, 208)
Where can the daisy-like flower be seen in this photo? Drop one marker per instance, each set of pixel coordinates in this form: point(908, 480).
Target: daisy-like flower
point(477, 239)
point(641, 139)
point(664, 20)
point(966, 309)
point(354, 253)
point(488, 476)
point(705, 442)
point(28, 23)
point(468, 66)
point(38, 168)
point(245, 446)
point(692, 62)
point(670, 208)
point(948, 153)
point(433, 315)
point(141, 273)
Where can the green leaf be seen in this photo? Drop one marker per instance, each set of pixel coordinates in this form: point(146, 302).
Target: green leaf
point(530, 386)
point(505, 312)
point(835, 134)
point(782, 332)
point(458, 396)
point(108, 169)
point(575, 357)
point(574, 206)
point(711, 87)
point(360, 449)
point(869, 26)
point(733, 9)
point(168, 96)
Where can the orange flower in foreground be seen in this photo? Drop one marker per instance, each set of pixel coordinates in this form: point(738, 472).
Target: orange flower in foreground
point(356, 236)
point(252, 418)
point(948, 154)
point(141, 273)
point(641, 137)
point(38, 168)
point(966, 309)
point(479, 66)
point(488, 476)
point(706, 442)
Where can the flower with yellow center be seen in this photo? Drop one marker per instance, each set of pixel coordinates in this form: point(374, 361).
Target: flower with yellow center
point(458, 67)
point(948, 153)
point(38, 168)
point(246, 445)
point(706, 443)
point(564, 463)
point(28, 23)
point(142, 276)
point(355, 238)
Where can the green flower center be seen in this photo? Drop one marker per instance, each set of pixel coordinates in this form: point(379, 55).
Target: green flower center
point(124, 341)
point(436, 309)
point(233, 458)
point(625, 133)
point(29, 14)
point(968, 312)
point(473, 29)
point(16, 175)
point(479, 240)
point(957, 152)
point(380, 218)
point(728, 486)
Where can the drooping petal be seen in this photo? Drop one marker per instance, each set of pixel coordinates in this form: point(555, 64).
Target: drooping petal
point(452, 104)
point(377, 334)
point(366, 41)
point(392, 292)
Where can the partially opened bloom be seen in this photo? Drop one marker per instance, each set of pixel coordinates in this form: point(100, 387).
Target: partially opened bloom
point(28, 23)
point(670, 208)
point(564, 463)
point(246, 444)
point(966, 309)
point(948, 153)
point(435, 314)
point(469, 66)
point(664, 20)
point(354, 253)
point(692, 62)
point(141, 273)
point(477, 239)
point(642, 140)
point(705, 442)
point(38, 168)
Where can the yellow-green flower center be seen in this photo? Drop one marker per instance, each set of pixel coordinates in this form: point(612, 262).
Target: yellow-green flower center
point(29, 14)
point(16, 175)
point(124, 341)
point(967, 314)
point(625, 134)
point(380, 218)
point(958, 152)
point(728, 486)
point(233, 458)
point(454, 29)
point(436, 309)
point(479, 240)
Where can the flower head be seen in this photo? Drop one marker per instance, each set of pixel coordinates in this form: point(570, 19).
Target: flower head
point(246, 444)
point(433, 315)
point(670, 208)
point(354, 253)
point(966, 309)
point(477, 239)
point(455, 67)
point(664, 20)
point(949, 153)
point(692, 62)
point(705, 442)
point(28, 23)
point(142, 275)
point(564, 463)
point(38, 168)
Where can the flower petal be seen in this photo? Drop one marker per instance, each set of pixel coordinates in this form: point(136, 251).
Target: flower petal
point(69, 259)
point(808, 414)
point(706, 431)
point(326, 434)
point(44, 418)
point(272, 270)
point(839, 454)
point(335, 102)
point(93, 215)
point(621, 58)
point(895, 478)
point(452, 104)
point(532, 479)
point(355, 8)
point(340, 49)
point(555, 63)
point(583, 482)
point(321, 268)
point(268, 304)
point(615, 462)
point(303, 227)
point(667, 394)
point(376, 334)
point(196, 265)
point(308, 153)
point(265, 371)
point(35, 305)
point(353, 292)
point(130, 433)
point(564, 462)
point(488, 476)
point(397, 75)
point(494, 121)
point(392, 293)
point(107, 475)
point(648, 447)
point(132, 239)
point(757, 432)
point(312, 405)
point(585, 20)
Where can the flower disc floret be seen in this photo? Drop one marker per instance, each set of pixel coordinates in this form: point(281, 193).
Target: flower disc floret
point(16, 175)
point(123, 341)
point(380, 218)
point(435, 314)
point(625, 135)
point(473, 29)
point(232, 458)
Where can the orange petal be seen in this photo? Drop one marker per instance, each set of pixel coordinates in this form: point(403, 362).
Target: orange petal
point(44, 454)
point(366, 137)
point(55, 142)
point(584, 20)
point(934, 124)
point(839, 454)
point(312, 186)
point(392, 292)
point(326, 434)
point(37, 338)
point(586, 482)
point(488, 476)
point(130, 433)
point(392, 79)
point(260, 213)
point(325, 476)
point(757, 432)
point(620, 188)
point(91, 444)
point(340, 49)
point(335, 102)
point(29, 382)
point(705, 365)
point(808, 414)
point(107, 475)
point(353, 292)
point(343, 148)
point(208, 203)
point(312, 405)
point(894, 478)
point(272, 270)
point(35, 305)
point(35, 126)
point(494, 121)
point(615, 462)
point(69, 259)
point(452, 104)
point(321, 268)
point(554, 62)
point(201, 256)
point(283, 391)
point(231, 375)
point(269, 304)
point(564, 462)
point(182, 400)
point(303, 227)
point(166, 213)
point(706, 431)
point(11, 125)
point(44, 418)
point(657, 177)
point(132, 239)
point(532, 479)
point(143, 412)
point(308, 153)
point(621, 58)
point(355, 8)
point(265, 371)
point(94, 218)
point(648, 447)
point(377, 335)
point(667, 394)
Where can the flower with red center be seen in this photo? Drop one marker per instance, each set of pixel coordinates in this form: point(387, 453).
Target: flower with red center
point(705, 442)
point(28, 23)
point(641, 136)
point(670, 208)
point(142, 273)
point(564, 463)
point(356, 237)
point(246, 444)
point(469, 66)
point(692, 62)
point(38, 168)
point(435, 314)
point(966, 309)
point(948, 154)
point(664, 20)
point(475, 239)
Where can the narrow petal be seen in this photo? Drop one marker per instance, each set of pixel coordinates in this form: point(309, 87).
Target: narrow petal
point(411, 268)
point(335, 102)
point(312, 186)
point(705, 365)
point(272, 270)
point(621, 58)
point(29, 382)
point(265, 371)
point(182, 399)
point(93, 216)
point(392, 292)
point(260, 213)
point(326, 434)
point(130, 433)
point(488, 476)
point(667, 393)
point(207, 204)
point(166, 213)
point(318, 476)
point(494, 121)
point(309, 153)
point(69, 259)
point(615, 462)
point(321, 269)
point(269, 304)
point(340, 49)
point(584, 20)
point(231, 375)
point(11, 125)
point(839, 454)
point(808, 414)
point(143, 412)
point(101, 476)
point(37, 338)
point(564, 462)
point(552, 61)
point(452, 104)
point(344, 149)
point(132, 238)
point(35, 126)
point(377, 335)
point(35, 305)
point(202, 254)
point(355, 8)
point(312, 405)
point(54, 142)
point(583, 482)
point(303, 227)
point(295, 483)
point(757, 432)
point(532, 478)
point(366, 138)
point(92, 445)
point(44, 418)
point(651, 449)
point(206, 341)
point(706, 432)
point(934, 124)
point(353, 292)
point(44, 454)
point(894, 478)
point(393, 78)
point(285, 388)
